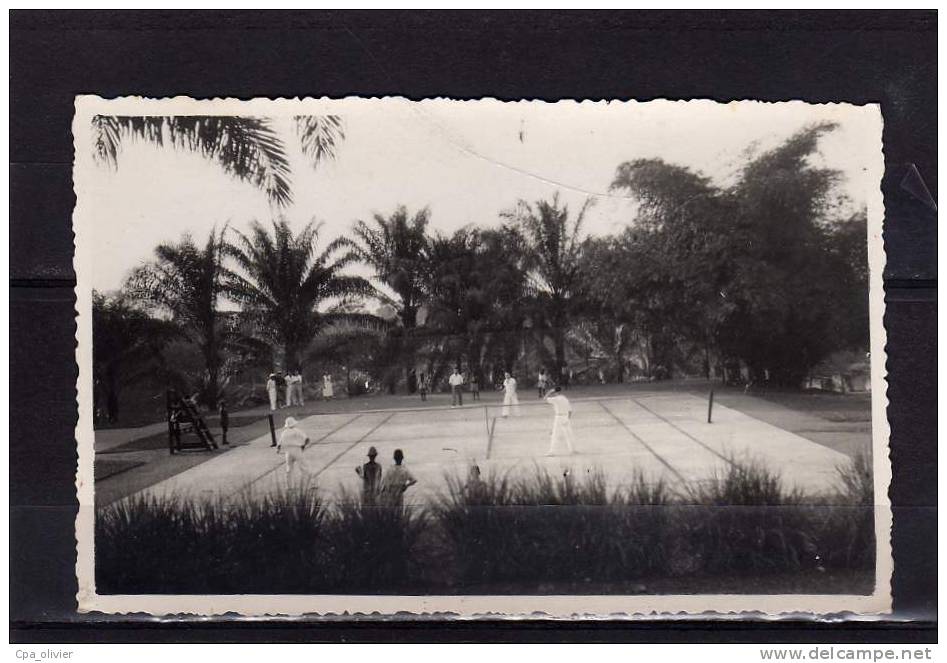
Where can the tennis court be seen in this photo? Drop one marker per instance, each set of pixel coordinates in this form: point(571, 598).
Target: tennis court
point(663, 435)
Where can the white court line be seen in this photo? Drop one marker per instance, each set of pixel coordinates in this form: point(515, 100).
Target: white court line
point(681, 430)
point(645, 445)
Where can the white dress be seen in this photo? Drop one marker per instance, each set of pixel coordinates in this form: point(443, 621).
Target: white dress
point(271, 392)
point(510, 397)
point(326, 386)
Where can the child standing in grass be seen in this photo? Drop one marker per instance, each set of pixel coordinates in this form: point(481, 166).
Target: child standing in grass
point(396, 482)
point(292, 443)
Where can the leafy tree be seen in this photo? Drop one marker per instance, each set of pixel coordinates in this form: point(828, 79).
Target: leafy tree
point(554, 248)
point(249, 148)
point(126, 343)
point(477, 299)
point(848, 253)
point(607, 313)
point(783, 284)
point(356, 343)
point(281, 280)
point(753, 272)
point(678, 256)
point(186, 281)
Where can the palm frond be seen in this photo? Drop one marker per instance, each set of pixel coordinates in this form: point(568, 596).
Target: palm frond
point(246, 147)
point(319, 135)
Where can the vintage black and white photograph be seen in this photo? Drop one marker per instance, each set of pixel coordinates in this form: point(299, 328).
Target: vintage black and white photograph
point(480, 357)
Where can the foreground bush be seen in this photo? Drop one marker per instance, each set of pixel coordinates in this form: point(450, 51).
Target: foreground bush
point(288, 542)
point(745, 520)
point(741, 522)
point(847, 536)
point(552, 529)
point(539, 534)
point(371, 549)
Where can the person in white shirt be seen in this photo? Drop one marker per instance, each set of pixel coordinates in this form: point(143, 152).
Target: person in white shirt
point(271, 390)
point(509, 395)
point(327, 390)
point(292, 443)
point(299, 389)
point(456, 382)
point(561, 421)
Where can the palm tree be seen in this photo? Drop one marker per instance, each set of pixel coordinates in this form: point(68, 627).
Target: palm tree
point(249, 148)
point(186, 281)
point(396, 249)
point(554, 249)
point(283, 280)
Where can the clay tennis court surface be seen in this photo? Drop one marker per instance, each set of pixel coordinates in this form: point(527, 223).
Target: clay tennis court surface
point(662, 435)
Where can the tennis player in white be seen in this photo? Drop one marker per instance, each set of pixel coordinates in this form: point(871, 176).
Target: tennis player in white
point(561, 421)
point(292, 443)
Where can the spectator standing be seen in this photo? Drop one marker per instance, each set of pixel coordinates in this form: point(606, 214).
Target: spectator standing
point(290, 381)
point(224, 420)
point(456, 382)
point(422, 386)
point(370, 473)
point(510, 398)
point(300, 399)
point(271, 390)
point(474, 387)
point(397, 480)
point(542, 383)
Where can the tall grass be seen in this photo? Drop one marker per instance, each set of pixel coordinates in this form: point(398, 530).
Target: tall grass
point(847, 535)
point(746, 520)
point(373, 548)
point(542, 533)
point(564, 532)
point(287, 542)
point(551, 529)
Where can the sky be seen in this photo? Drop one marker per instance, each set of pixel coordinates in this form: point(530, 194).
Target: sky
point(466, 161)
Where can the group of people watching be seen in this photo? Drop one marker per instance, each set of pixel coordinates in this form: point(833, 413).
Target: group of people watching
point(379, 487)
point(384, 487)
point(457, 381)
point(292, 385)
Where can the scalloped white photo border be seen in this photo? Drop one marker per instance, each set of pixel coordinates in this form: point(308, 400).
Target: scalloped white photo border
point(596, 607)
